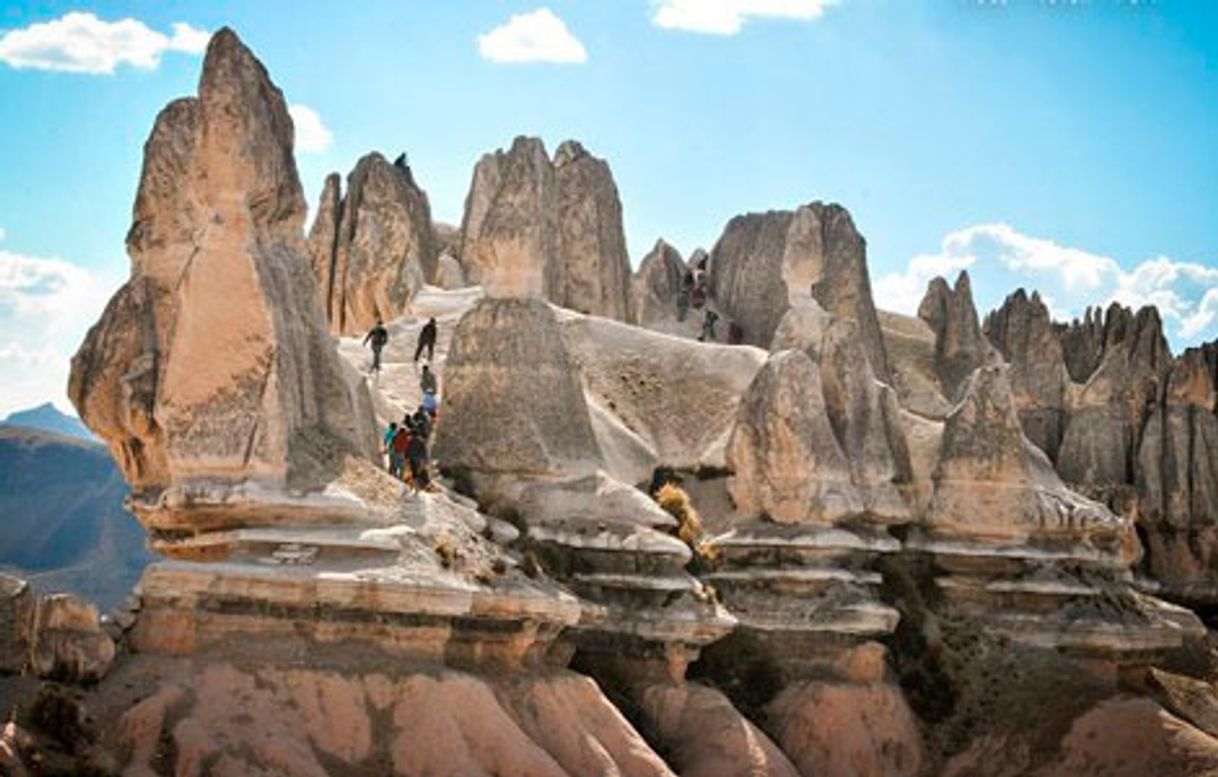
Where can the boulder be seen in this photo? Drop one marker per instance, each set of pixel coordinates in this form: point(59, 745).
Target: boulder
point(657, 285)
point(538, 228)
point(959, 346)
point(513, 403)
point(787, 462)
point(212, 363)
point(16, 609)
point(384, 248)
point(765, 261)
point(67, 642)
point(1023, 333)
point(449, 273)
point(991, 483)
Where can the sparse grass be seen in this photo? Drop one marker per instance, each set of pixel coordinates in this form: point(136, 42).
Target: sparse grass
point(675, 501)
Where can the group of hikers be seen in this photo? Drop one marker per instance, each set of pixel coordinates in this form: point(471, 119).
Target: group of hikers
point(693, 294)
point(405, 444)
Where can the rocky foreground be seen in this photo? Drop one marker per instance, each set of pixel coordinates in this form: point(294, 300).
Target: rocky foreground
point(901, 546)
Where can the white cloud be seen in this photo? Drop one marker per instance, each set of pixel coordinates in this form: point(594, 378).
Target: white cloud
point(46, 306)
point(81, 43)
point(1001, 259)
point(538, 36)
point(726, 17)
point(312, 136)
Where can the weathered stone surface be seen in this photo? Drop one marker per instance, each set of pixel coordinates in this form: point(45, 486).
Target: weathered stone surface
point(657, 284)
point(16, 610)
point(702, 734)
point(1023, 333)
point(765, 261)
point(513, 403)
point(910, 345)
point(959, 346)
point(449, 273)
point(787, 462)
point(67, 642)
point(384, 248)
point(1101, 436)
point(863, 413)
point(846, 728)
point(323, 238)
point(991, 483)
point(1177, 480)
point(538, 228)
point(212, 363)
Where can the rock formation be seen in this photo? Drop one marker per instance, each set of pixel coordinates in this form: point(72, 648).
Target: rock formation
point(533, 227)
point(374, 255)
point(765, 261)
point(657, 284)
point(211, 368)
point(959, 346)
point(1023, 334)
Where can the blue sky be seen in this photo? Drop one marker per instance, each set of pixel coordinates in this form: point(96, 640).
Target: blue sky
point(1068, 147)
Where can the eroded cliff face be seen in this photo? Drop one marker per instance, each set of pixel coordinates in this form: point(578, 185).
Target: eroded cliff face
point(856, 571)
point(212, 364)
point(549, 229)
point(373, 250)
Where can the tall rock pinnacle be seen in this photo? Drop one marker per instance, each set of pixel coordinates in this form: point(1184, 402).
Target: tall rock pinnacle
point(212, 363)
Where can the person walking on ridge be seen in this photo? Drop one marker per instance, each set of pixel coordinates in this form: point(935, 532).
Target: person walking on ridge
point(427, 339)
point(378, 337)
point(427, 381)
point(708, 326)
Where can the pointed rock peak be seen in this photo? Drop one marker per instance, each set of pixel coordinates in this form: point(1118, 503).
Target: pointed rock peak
point(227, 56)
point(963, 284)
point(524, 145)
point(569, 151)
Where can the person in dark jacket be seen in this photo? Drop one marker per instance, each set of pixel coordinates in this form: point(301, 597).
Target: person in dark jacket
point(708, 326)
point(416, 457)
point(378, 337)
point(427, 339)
point(422, 423)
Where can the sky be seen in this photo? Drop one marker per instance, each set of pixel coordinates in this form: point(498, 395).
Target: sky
point(1067, 147)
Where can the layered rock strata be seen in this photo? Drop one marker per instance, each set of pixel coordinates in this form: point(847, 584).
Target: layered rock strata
point(551, 229)
point(375, 248)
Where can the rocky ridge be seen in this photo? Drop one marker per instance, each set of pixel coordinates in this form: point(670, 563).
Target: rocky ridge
point(855, 568)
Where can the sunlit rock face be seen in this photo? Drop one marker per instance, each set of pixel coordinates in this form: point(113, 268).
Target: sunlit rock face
point(212, 364)
point(763, 262)
point(373, 249)
point(547, 228)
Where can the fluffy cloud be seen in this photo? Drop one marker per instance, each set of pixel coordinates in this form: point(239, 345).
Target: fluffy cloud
point(81, 43)
point(46, 306)
point(538, 36)
point(726, 17)
point(1000, 259)
point(312, 137)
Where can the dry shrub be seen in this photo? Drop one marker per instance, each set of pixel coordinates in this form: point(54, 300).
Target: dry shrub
point(674, 501)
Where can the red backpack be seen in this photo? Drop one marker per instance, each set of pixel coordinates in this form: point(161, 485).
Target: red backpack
point(401, 440)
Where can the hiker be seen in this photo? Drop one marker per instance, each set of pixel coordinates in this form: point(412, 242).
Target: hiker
point(427, 339)
point(422, 423)
point(387, 442)
point(397, 452)
point(427, 381)
point(378, 337)
point(708, 326)
point(401, 163)
point(697, 297)
point(735, 334)
point(661, 477)
point(687, 286)
point(431, 405)
point(416, 457)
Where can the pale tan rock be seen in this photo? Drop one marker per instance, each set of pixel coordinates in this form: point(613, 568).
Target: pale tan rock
point(657, 285)
point(16, 612)
point(837, 728)
point(67, 642)
point(536, 228)
point(323, 238)
point(449, 273)
point(764, 262)
point(910, 345)
point(959, 345)
point(212, 364)
point(384, 248)
point(703, 735)
point(787, 462)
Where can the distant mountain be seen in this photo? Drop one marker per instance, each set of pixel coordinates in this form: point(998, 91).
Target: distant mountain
point(48, 418)
point(62, 521)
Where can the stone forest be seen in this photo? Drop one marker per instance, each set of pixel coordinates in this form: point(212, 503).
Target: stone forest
point(885, 545)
